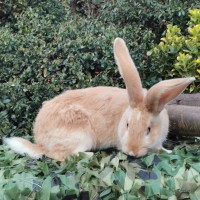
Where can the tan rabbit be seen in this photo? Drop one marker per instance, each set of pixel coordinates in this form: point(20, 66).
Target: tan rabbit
point(133, 120)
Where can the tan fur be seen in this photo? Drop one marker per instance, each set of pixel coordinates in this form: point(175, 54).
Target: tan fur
point(132, 120)
point(129, 72)
point(165, 91)
point(67, 113)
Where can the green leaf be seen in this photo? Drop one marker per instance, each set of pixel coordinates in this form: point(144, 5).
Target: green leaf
point(152, 188)
point(149, 53)
point(115, 162)
point(105, 192)
point(69, 183)
point(128, 183)
point(148, 160)
point(24, 180)
point(45, 191)
point(195, 195)
point(106, 175)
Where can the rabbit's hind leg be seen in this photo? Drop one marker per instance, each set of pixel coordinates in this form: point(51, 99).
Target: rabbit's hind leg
point(59, 152)
point(73, 144)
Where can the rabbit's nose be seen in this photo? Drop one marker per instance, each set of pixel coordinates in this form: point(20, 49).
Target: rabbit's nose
point(137, 155)
point(130, 153)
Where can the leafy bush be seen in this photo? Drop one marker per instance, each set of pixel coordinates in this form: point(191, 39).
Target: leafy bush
point(51, 46)
point(178, 54)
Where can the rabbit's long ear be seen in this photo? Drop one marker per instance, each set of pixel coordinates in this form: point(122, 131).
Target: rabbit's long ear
point(129, 72)
point(165, 91)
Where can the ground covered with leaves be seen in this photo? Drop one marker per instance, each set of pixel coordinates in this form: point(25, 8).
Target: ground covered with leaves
point(106, 175)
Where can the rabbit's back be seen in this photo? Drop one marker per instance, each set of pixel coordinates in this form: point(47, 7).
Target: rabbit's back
point(92, 111)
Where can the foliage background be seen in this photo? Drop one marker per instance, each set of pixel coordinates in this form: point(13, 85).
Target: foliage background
point(47, 47)
point(178, 53)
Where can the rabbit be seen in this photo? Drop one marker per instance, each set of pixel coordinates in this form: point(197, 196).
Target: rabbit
point(132, 120)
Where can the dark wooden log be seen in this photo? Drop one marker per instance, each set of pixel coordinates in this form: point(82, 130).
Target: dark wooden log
point(184, 120)
point(187, 99)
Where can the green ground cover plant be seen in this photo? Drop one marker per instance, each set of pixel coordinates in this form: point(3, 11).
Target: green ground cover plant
point(47, 47)
point(106, 175)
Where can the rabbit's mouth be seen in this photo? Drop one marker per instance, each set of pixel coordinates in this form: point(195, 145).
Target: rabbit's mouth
point(135, 151)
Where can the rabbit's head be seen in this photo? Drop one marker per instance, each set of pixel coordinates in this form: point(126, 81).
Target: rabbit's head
point(144, 124)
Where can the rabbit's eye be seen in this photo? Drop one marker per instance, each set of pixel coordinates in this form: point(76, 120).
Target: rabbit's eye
point(148, 130)
point(127, 125)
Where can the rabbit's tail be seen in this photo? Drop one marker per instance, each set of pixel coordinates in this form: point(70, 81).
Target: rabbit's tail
point(22, 146)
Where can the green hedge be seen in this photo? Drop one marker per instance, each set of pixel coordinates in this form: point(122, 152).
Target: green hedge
point(47, 47)
point(178, 53)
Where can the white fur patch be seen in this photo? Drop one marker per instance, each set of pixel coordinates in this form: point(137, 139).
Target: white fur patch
point(106, 144)
point(84, 140)
point(122, 130)
point(21, 149)
point(81, 141)
point(124, 138)
point(138, 115)
point(166, 150)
